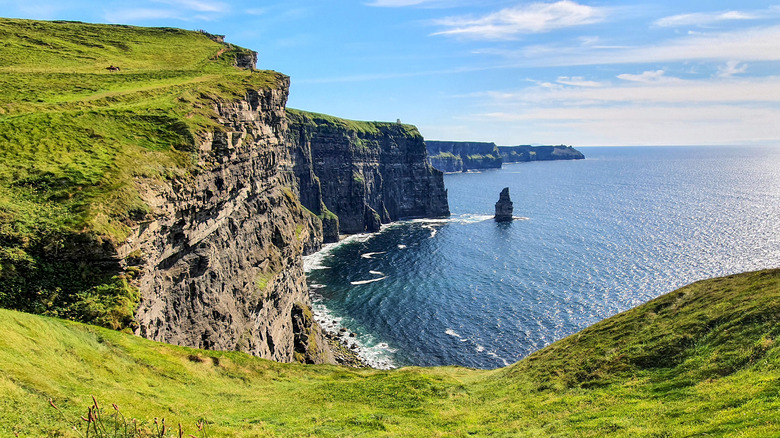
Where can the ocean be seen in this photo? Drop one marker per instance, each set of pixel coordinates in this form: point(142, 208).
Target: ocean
point(591, 238)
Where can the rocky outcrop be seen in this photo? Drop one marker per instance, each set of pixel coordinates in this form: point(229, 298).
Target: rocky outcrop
point(461, 156)
point(504, 207)
point(219, 262)
point(358, 175)
point(514, 154)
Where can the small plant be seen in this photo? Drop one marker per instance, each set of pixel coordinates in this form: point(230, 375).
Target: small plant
point(99, 424)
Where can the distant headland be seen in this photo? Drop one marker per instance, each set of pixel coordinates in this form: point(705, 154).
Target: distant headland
point(461, 156)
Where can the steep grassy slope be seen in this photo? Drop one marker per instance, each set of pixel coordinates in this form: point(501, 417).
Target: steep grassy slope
point(75, 139)
point(700, 361)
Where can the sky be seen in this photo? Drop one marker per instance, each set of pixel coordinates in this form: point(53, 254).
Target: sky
point(582, 73)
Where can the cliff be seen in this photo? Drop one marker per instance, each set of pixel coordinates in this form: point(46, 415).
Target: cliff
point(459, 156)
point(179, 206)
point(504, 207)
point(514, 154)
point(221, 261)
point(363, 173)
point(163, 208)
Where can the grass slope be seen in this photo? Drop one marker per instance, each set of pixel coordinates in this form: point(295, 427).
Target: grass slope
point(327, 122)
point(76, 137)
point(700, 361)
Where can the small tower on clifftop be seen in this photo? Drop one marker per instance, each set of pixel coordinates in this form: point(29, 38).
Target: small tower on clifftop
point(504, 207)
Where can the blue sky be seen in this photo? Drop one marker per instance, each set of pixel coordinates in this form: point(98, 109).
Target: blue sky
point(512, 72)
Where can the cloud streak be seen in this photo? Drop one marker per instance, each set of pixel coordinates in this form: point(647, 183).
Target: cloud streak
point(705, 111)
point(672, 90)
point(527, 19)
point(753, 44)
point(704, 19)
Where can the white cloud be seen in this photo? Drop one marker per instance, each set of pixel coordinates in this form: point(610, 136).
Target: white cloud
point(648, 76)
point(731, 68)
point(639, 125)
point(757, 90)
point(704, 19)
point(526, 19)
point(179, 10)
point(707, 111)
point(754, 44)
point(578, 81)
point(135, 14)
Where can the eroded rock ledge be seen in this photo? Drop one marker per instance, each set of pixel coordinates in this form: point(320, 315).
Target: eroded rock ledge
point(220, 264)
point(358, 175)
point(221, 261)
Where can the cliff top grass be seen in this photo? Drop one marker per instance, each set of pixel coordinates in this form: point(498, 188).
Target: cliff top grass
point(75, 135)
point(700, 361)
point(316, 120)
point(76, 138)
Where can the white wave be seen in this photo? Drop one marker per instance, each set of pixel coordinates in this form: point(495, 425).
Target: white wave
point(492, 354)
point(471, 218)
point(316, 260)
point(355, 283)
point(467, 218)
point(433, 229)
point(375, 354)
point(376, 272)
point(480, 348)
point(401, 246)
point(316, 286)
point(430, 220)
point(451, 332)
point(370, 255)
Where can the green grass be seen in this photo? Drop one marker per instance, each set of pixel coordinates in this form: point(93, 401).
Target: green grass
point(700, 361)
point(324, 121)
point(77, 138)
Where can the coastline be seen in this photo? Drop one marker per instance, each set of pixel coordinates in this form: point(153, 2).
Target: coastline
point(351, 346)
point(347, 348)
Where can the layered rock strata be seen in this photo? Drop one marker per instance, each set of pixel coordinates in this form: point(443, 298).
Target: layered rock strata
point(462, 156)
point(504, 207)
point(358, 175)
point(514, 154)
point(220, 262)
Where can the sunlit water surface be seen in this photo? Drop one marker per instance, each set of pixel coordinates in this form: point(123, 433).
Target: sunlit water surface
point(594, 237)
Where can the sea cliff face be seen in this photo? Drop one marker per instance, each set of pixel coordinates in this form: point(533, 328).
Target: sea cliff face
point(363, 173)
point(462, 156)
point(515, 154)
point(173, 209)
point(220, 264)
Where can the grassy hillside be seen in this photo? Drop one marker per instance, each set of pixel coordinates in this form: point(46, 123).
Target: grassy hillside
point(75, 137)
point(700, 361)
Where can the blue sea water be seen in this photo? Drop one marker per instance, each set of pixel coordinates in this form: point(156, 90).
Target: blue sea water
point(595, 237)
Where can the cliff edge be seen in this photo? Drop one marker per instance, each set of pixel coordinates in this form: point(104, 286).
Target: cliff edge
point(363, 173)
point(462, 156)
point(177, 205)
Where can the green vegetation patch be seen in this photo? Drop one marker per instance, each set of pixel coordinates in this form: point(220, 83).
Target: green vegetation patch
point(324, 121)
point(700, 361)
point(77, 139)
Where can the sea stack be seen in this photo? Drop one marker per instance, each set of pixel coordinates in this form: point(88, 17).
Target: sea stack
point(504, 207)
